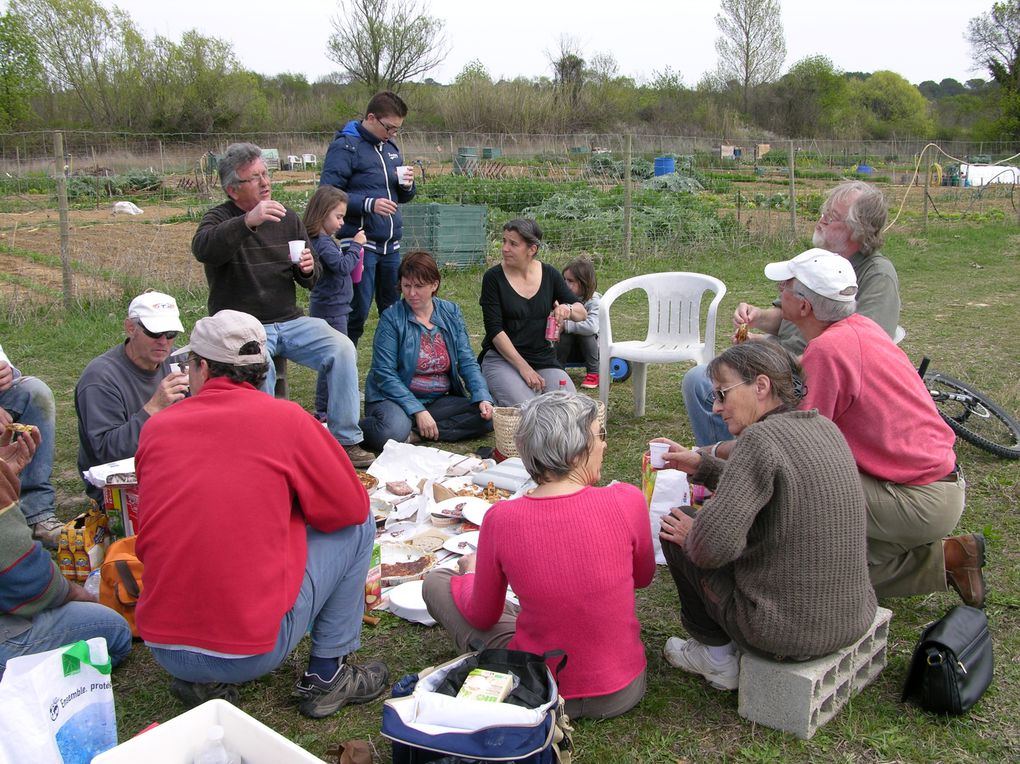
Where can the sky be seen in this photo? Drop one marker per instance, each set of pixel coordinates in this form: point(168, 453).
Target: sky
point(919, 39)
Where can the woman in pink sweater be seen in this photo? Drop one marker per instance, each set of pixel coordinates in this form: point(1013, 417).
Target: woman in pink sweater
point(573, 554)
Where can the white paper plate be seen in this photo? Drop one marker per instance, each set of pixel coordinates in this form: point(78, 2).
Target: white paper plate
point(406, 601)
point(399, 532)
point(455, 544)
point(456, 506)
point(474, 513)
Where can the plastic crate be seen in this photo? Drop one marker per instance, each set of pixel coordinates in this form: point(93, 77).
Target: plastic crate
point(453, 233)
point(179, 740)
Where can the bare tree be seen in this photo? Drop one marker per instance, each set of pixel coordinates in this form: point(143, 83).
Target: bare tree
point(994, 39)
point(752, 47)
point(568, 69)
point(385, 43)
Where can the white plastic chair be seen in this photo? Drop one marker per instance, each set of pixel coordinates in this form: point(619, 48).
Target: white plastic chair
point(310, 160)
point(294, 162)
point(674, 327)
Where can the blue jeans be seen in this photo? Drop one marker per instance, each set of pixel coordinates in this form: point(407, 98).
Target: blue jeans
point(67, 624)
point(313, 343)
point(330, 603)
point(379, 280)
point(456, 417)
point(698, 396)
point(29, 401)
point(321, 387)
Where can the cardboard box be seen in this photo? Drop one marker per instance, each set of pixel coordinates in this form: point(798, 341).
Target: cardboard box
point(178, 741)
point(120, 500)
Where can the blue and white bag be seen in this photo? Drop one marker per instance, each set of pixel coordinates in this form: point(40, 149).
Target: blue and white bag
point(428, 723)
point(56, 707)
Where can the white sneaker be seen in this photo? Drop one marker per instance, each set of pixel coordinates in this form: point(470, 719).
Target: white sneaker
point(693, 657)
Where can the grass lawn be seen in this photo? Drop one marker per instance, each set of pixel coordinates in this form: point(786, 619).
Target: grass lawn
point(959, 287)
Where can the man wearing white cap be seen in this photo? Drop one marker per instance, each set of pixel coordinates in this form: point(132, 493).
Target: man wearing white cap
point(850, 225)
point(857, 377)
point(122, 388)
point(231, 463)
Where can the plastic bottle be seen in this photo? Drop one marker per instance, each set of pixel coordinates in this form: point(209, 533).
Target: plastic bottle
point(214, 751)
point(92, 583)
point(563, 386)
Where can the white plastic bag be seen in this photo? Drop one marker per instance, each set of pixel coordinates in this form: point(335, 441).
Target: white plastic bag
point(669, 489)
point(57, 706)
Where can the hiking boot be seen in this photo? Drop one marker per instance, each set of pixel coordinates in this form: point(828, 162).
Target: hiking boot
point(350, 684)
point(590, 381)
point(193, 694)
point(693, 657)
point(967, 578)
point(359, 457)
point(47, 531)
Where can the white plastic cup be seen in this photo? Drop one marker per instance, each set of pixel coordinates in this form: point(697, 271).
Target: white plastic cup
point(296, 248)
point(657, 451)
point(405, 174)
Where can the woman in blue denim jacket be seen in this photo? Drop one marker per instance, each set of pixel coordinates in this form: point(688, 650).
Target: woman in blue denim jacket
point(424, 382)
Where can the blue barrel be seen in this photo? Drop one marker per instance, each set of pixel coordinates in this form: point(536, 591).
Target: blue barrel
point(665, 165)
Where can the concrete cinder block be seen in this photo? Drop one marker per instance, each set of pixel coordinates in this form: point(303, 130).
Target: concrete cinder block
point(800, 697)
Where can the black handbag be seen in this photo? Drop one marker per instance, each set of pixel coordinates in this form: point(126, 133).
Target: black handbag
point(952, 663)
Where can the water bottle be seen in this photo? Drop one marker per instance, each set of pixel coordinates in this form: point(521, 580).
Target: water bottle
point(213, 750)
point(92, 583)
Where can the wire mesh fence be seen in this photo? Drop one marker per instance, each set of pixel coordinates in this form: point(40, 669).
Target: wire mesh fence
point(610, 196)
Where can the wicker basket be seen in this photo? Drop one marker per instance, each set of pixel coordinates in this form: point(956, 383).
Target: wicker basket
point(506, 420)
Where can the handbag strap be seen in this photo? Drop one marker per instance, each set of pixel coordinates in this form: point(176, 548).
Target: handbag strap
point(127, 579)
point(79, 653)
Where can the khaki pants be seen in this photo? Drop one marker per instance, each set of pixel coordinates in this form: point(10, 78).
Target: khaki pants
point(439, 600)
point(906, 525)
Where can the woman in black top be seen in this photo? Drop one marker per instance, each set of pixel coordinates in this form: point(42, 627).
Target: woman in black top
point(517, 297)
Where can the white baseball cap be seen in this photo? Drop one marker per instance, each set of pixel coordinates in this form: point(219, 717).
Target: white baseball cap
point(221, 337)
point(157, 312)
point(821, 271)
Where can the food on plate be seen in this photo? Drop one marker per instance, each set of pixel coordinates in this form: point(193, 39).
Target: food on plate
point(406, 570)
point(399, 488)
point(741, 335)
point(368, 481)
point(490, 493)
point(428, 542)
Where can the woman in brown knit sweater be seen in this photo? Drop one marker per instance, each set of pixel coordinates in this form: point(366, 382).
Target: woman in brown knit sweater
point(775, 562)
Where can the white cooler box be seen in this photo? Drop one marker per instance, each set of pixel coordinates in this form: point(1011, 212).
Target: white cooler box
point(178, 741)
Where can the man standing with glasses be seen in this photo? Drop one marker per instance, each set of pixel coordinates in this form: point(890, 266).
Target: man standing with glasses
point(852, 218)
point(243, 244)
point(122, 388)
point(364, 161)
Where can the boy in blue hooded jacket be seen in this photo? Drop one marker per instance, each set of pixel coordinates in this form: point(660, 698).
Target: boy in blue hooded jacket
point(363, 161)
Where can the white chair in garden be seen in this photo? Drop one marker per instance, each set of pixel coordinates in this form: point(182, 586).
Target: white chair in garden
point(674, 327)
point(310, 160)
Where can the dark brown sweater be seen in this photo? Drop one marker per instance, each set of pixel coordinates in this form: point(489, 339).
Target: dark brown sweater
point(788, 518)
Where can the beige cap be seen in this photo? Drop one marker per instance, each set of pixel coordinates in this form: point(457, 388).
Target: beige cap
point(220, 338)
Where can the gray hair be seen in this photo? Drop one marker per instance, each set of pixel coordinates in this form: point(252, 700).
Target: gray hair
point(237, 155)
point(750, 359)
point(527, 229)
point(555, 434)
point(825, 308)
point(866, 212)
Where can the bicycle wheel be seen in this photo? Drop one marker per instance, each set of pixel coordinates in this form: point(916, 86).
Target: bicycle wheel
point(974, 418)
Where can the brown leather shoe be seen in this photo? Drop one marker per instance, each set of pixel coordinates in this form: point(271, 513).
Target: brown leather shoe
point(359, 457)
point(967, 578)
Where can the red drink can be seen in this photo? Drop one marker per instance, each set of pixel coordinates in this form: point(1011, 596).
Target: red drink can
point(552, 328)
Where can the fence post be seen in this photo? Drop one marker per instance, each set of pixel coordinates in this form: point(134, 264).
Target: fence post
point(793, 196)
point(65, 235)
point(627, 151)
point(927, 174)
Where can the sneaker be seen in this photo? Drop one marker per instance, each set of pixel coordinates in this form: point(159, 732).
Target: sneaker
point(350, 684)
point(47, 531)
point(359, 457)
point(193, 694)
point(693, 657)
point(590, 382)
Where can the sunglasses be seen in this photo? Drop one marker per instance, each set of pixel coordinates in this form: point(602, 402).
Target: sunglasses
point(720, 395)
point(158, 335)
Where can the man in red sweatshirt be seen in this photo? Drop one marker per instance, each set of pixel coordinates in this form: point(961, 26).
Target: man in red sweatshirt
point(857, 377)
point(254, 529)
